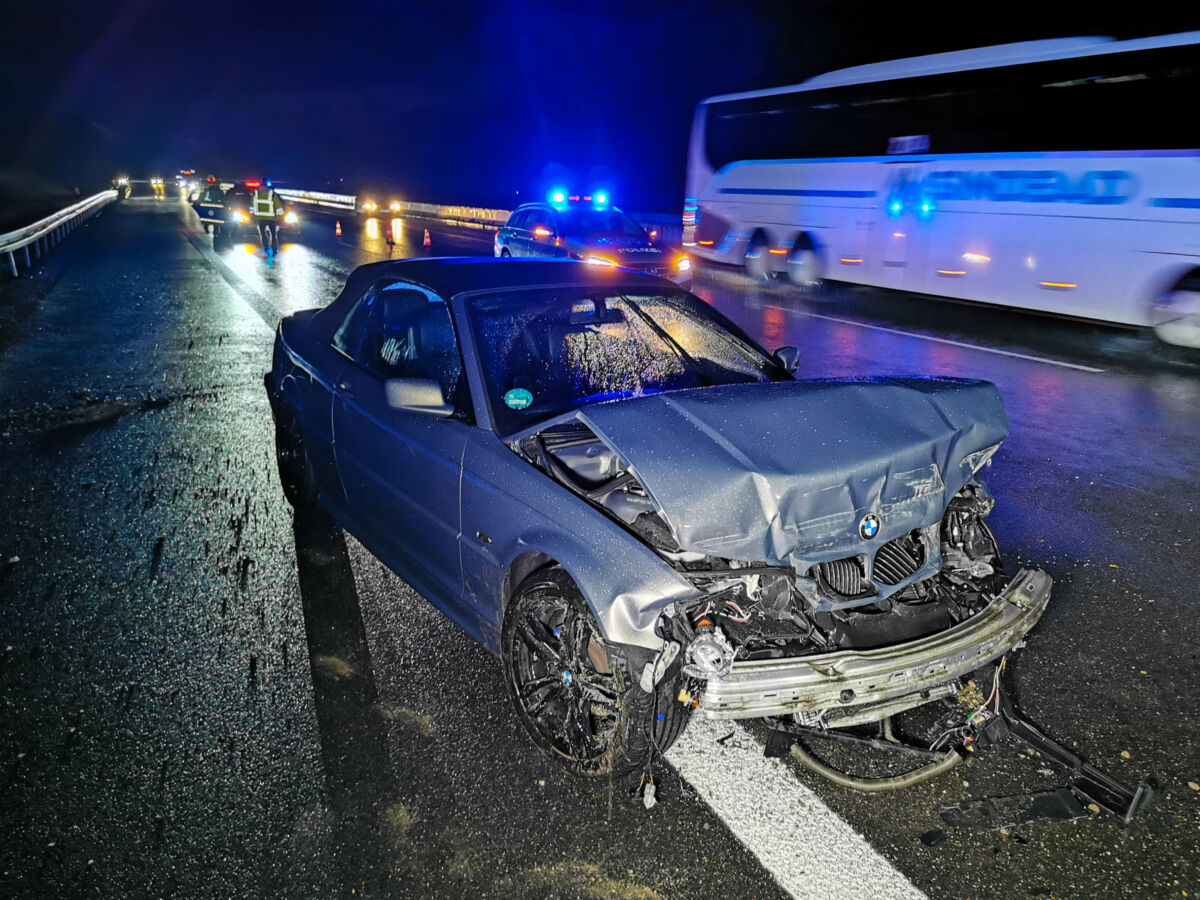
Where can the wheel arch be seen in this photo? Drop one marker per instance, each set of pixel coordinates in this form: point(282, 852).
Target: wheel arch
point(625, 601)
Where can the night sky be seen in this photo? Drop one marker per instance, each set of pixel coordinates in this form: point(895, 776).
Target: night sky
point(466, 102)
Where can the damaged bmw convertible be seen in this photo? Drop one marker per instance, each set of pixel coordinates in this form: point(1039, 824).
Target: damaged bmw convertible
point(640, 510)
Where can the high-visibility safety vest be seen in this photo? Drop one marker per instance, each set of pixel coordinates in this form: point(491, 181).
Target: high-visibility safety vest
point(264, 204)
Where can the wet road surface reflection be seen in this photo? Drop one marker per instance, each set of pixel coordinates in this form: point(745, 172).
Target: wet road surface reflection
point(354, 747)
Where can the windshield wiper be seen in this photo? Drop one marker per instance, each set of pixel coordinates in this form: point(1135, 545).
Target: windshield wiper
point(674, 344)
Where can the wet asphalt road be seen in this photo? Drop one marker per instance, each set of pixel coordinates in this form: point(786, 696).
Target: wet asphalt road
point(201, 696)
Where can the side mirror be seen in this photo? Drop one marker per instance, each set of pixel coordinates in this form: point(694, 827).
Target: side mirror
point(421, 395)
point(788, 358)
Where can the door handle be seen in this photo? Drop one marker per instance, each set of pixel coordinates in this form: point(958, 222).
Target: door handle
point(346, 386)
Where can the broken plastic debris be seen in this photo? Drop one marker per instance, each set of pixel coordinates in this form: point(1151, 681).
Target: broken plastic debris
point(648, 796)
point(1125, 754)
point(1194, 786)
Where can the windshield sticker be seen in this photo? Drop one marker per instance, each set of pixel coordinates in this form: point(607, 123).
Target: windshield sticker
point(518, 398)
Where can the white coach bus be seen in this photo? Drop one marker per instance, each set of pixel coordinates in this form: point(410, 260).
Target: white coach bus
point(1057, 175)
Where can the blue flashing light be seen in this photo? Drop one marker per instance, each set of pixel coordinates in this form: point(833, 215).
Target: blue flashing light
point(558, 196)
point(268, 182)
point(601, 198)
point(895, 207)
point(926, 208)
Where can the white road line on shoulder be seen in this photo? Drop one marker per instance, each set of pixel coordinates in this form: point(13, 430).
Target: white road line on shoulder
point(810, 850)
point(938, 340)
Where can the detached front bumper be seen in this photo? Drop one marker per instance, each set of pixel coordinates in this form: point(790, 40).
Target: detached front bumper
point(847, 678)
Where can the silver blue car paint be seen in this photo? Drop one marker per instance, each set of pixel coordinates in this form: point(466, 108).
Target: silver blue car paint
point(519, 510)
point(770, 472)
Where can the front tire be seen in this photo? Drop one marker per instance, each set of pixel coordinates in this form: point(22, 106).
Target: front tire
point(581, 707)
point(295, 469)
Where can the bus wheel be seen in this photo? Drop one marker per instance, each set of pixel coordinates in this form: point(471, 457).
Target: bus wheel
point(804, 266)
point(1176, 316)
point(758, 259)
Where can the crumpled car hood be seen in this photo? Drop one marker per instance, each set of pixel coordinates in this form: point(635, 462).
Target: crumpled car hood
point(785, 472)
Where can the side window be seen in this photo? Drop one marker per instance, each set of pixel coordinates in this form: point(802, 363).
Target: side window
point(519, 219)
point(408, 333)
point(345, 339)
point(541, 222)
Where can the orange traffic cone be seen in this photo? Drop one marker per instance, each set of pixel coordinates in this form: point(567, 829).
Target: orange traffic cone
point(428, 243)
point(337, 231)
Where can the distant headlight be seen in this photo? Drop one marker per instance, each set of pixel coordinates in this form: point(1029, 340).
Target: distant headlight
point(600, 261)
point(980, 458)
point(291, 218)
point(395, 206)
point(370, 206)
point(683, 264)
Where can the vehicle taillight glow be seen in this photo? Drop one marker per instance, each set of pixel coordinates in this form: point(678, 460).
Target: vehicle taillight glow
point(542, 232)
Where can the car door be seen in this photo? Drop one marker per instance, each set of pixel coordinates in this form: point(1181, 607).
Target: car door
point(399, 469)
point(518, 233)
point(541, 233)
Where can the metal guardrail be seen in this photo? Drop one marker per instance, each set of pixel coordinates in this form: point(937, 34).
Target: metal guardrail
point(668, 227)
point(47, 233)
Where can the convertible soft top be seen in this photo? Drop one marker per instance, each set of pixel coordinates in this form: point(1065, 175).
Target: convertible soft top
point(451, 275)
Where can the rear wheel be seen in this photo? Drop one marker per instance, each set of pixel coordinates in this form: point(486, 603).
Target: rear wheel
point(804, 266)
point(1175, 318)
point(758, 259)
point(295, 470)
point(504, 254)
point(581, 708)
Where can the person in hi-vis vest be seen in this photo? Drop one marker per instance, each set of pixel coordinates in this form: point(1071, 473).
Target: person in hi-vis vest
point(267, 208)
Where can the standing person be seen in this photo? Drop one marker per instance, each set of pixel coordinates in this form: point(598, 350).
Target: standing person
point(267, 208)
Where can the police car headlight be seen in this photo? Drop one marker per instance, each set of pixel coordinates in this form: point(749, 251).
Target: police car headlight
point(683, 264)
point(242, 217)
point(599, 261)
point(291, 218)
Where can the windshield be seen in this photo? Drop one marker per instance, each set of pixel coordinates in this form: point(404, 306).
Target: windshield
point(545, 352)
point(581, 222)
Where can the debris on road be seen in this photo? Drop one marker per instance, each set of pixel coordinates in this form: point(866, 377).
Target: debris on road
point(1008, 812)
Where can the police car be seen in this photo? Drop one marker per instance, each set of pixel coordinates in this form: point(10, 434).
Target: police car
point(589, 229)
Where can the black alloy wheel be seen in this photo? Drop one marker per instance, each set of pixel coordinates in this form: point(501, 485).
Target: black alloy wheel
point(581, 708)
point(295, 470)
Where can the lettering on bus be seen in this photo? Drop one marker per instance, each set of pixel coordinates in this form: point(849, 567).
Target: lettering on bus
point(1105, 188)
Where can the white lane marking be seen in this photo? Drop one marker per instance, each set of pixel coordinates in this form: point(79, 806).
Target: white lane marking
point(938, 340)
point(810, 850)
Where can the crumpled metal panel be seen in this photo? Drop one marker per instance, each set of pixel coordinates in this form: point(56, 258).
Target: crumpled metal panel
point(784, 472)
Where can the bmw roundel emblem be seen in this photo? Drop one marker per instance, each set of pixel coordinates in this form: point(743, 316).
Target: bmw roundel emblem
point(869, 526)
